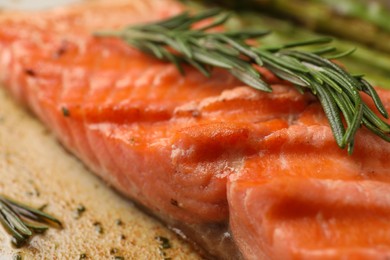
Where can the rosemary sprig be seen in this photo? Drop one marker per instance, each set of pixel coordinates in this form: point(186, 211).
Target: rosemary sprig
point(22, 221)
point(176, 40)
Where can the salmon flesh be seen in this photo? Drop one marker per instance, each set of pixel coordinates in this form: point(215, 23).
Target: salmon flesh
point(242, 173)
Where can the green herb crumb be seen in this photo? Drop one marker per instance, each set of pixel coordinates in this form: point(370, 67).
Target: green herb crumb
point(17, 256)
point(65, 112)
point(98, 227)
point(79, 211)
point(114, 251)
point(164, 242)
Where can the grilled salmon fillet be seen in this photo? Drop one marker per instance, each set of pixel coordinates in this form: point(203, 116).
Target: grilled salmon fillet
point(228, 165)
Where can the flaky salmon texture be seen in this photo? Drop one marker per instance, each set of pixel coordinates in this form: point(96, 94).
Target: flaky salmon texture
point(245, 174)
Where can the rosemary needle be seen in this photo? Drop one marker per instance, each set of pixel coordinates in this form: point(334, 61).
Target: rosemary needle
point(22, 221)
point(177, 41)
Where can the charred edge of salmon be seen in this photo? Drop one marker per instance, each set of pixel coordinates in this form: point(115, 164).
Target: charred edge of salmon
point(210, 240)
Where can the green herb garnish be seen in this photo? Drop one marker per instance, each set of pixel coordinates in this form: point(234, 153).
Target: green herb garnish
point(176, 40)
point(22, 221)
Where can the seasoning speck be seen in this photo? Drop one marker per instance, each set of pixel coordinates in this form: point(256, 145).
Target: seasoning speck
point(98, 227)
point(114, 251)
point(164, 242)
point(132, 140)
point(83, 256)
point(195, 113)
point(65, 112)
point(30, 72)
point(17, 256)
point(119, 258)
point(79, 211)
point(33, 193)
point(118, 222)
point(174, 202)
point(61, 50)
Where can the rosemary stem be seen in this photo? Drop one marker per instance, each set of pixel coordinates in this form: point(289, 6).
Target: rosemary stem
point(19, 220)
point(177, 41)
